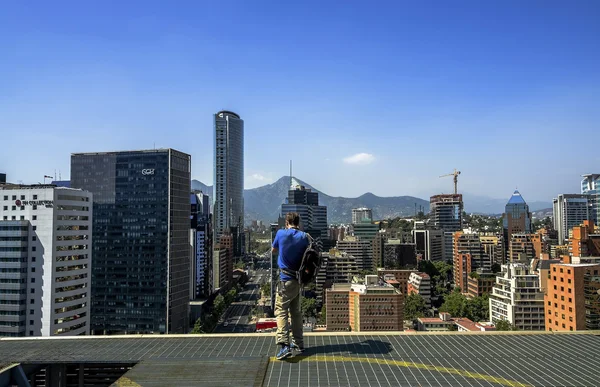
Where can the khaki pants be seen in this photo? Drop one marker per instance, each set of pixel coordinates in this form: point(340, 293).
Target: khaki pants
point(287, 303)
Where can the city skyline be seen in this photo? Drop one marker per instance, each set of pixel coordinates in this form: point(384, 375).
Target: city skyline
point(370, 95)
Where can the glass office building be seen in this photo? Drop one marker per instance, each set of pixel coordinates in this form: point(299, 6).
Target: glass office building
point(228, 188)
point(141, 253)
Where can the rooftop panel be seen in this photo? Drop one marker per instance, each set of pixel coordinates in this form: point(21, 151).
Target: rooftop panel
point(458, 359)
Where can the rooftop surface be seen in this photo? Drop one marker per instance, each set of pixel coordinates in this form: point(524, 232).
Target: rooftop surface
point(351, 359)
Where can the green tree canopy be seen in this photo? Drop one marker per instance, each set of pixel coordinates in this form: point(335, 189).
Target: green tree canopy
point(323, 316)
point(309, 307)
point(477, 308)
point(219, 305)
point(454, 304)
point(503, 325)
point(414, 306)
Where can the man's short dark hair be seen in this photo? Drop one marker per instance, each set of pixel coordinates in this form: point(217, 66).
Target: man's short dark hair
point(293, 219)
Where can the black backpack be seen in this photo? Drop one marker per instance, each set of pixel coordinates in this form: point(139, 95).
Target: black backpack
point(311, 262)
point(310, 265)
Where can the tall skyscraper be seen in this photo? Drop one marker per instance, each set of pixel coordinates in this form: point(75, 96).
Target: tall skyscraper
point(141, 229)
point(570, 210)
point(516, 218)
point(228, 195)
point(363, 214)
point(446, 214)
point(45, 249)
point(590, 185)
point(313, 217)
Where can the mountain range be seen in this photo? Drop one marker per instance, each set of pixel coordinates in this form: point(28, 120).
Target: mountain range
point(264, 203)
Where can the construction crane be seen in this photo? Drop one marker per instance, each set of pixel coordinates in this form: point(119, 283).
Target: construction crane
point(455, 174)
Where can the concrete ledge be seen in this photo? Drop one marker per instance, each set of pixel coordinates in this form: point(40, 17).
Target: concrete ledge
point(233, 335)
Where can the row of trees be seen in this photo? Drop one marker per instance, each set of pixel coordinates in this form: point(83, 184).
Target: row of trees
point(220, 304)
point(476, 309)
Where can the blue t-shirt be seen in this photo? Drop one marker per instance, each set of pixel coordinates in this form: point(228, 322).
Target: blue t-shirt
point(291, 244)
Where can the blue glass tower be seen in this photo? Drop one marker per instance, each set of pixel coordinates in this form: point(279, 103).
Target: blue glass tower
point(517, 218)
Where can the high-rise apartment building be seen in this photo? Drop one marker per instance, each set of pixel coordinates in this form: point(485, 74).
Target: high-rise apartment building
point(362, 215)
point(570, 210)
point(493, 246)
point(361, 250)
point(141, 232)
point(378, 250)
point(228, 187)
point(525, 247)
point(584, 241)
point(590, 185)
point(45, 260)
point(573, 297)
point(517, 298)
point(336, 267)
point(480, 282)
point(468, 256)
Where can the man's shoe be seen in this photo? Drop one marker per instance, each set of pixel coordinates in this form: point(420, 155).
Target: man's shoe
point(296, 347)
point(284, 352)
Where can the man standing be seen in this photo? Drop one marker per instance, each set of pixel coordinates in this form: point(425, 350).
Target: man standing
point(291, 243)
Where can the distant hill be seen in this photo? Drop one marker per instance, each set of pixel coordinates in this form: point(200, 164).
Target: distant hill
point(264, 203)
point(199, 186)
point(487, 205)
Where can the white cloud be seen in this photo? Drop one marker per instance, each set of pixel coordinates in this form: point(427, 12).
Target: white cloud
point(360, 159)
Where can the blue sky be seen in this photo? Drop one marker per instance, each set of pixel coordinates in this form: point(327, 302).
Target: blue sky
point(507, 92)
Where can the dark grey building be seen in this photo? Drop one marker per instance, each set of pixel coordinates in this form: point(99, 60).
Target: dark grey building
point(228, 188)
point(397, 255)
point(201, 242)
point(141, 229)
point(14, 235)
point(446, 214)
point(305, 202)
point(446, 211)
